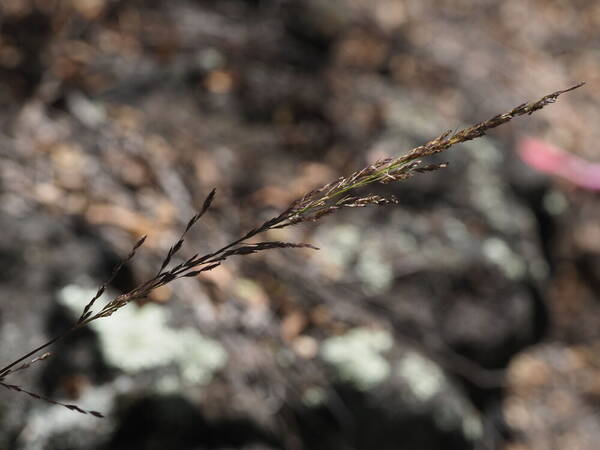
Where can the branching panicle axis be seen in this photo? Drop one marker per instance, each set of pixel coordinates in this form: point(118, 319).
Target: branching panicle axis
point(311, 207)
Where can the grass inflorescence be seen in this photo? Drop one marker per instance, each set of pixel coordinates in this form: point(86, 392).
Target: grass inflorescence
point(311, 207)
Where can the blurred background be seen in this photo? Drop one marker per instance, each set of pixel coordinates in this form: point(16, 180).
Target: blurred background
point(466, 317)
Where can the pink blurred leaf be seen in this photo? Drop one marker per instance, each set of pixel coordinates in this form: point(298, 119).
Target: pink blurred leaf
point(549, 159)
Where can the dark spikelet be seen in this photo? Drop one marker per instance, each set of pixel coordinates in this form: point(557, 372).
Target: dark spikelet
point(172, 251)
point(138, 244)
point(248, 249)
point(87, 309)
point(210, 267)
point(323, 213)
point(431, 167)
point(192, 273)
point(268, 245)
point(48, 400)
point(207, 202)
point(206, 268)
point(167, 277)
point(191, 258)
point(177, 246)
point(26, 365)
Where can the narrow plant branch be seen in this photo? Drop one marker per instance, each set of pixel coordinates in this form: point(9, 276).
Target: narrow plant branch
point(26, 365)
point(49, 400)
point(309, 208)
point(87, 310)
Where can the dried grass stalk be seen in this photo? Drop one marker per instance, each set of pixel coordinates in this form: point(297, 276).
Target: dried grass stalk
point(309, 208)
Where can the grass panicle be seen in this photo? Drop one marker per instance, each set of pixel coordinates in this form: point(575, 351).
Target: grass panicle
point(309, 208)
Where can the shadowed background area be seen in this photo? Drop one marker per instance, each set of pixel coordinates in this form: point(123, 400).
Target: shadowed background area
point(465, 317)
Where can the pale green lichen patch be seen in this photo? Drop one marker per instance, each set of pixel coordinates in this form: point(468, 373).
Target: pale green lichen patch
point(373, 270)
point(428, 387)
point(423, 377)
point(53, 420)
point(499, 253)
point(139, 338)
point(347, 244)
point(490, 193)
point(341, 243)
point(198, 356)
point(357, 357)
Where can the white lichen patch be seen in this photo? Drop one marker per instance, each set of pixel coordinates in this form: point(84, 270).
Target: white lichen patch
point(499, 253)
point(488, 196)
point(357, 357)
point(198, 357)
point(138, 338)
point(341, 244)
point(347, 244)
point(373, 271)
point(490, 193)
point(44, 422)
point(429, 388)
point(422, 376)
